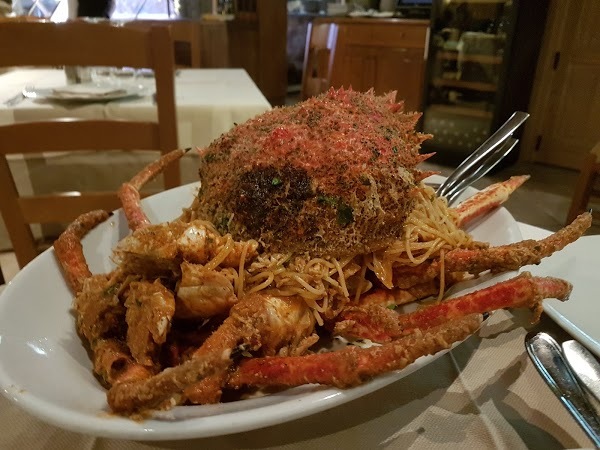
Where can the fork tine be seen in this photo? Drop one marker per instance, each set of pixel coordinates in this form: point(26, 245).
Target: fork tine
point(490, 145)
point(485, 167)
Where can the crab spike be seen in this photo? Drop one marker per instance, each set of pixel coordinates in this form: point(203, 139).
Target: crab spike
point(69, 251)
point(383, 325)
point(129, 193)
point(425, 156)
point(390, 97)
point(352, 365)
point(487, 199)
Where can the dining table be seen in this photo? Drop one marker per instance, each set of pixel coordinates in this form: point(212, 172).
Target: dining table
point(209, 102)
point(483, 393)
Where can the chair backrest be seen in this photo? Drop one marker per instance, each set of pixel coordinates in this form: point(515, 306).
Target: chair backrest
point(318, 58)
point(186, 35)
point(587, 189)
point(81, 44)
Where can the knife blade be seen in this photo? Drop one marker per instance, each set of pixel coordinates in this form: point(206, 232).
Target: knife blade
point(585, 366)
point(548, 359)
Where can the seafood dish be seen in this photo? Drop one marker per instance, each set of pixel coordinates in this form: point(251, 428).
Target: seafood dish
point(312, 223)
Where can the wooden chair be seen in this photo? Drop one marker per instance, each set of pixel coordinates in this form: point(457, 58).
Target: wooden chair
point(587, 188)
point(81, 44)
point(186, 36)
point(318, 58)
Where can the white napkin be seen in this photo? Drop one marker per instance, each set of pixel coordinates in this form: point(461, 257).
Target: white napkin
point(78, 91)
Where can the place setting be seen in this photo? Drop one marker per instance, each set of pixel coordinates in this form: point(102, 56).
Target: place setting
point(89, 85)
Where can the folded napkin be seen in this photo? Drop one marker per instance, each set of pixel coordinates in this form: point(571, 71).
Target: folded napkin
point(91, 91)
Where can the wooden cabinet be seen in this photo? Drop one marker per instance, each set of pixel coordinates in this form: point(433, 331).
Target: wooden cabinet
point(383, 54)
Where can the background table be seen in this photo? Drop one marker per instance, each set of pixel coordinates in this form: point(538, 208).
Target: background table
point(209, 103)
point(485, 393)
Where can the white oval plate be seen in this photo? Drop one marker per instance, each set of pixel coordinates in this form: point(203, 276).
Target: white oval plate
point(45, 369)
point(578, 263)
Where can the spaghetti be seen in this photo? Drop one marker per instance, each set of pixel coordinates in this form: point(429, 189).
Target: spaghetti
point(430, 231)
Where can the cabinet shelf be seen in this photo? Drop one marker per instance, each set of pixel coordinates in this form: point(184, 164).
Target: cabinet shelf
point(462, 84)
point(482, 59)
point(461, 110)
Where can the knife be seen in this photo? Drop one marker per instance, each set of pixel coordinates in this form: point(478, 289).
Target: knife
point(585, 366)
point(548, 359)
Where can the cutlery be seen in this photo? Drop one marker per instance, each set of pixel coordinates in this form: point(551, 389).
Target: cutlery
point(15, 99)
point(585, 366)
point(548, 359)
point(483, 159)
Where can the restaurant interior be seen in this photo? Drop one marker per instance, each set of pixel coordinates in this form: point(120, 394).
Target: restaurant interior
point(189, 71)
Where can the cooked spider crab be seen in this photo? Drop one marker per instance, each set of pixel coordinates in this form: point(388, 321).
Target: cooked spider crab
point(310, 221)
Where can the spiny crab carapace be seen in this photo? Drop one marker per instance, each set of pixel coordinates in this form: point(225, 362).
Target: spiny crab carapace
point(311, 221)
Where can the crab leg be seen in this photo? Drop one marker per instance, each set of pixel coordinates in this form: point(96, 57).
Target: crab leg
point(514, 256)
point(96, 304)
point(114, 364)
point(129, 193)
point(383, 325)
point(498, 259)
point(487, 199)
point(352, 365)
point(257, 322)
point(69, 251)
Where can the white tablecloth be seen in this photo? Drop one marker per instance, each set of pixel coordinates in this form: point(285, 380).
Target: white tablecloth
point(209, 103)
point(483, 394)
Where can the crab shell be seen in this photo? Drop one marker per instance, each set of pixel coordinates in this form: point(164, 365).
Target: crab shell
point(333, 175)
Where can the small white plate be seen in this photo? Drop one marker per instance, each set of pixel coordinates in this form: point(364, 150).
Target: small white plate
point(45, 370)
point(578, 263)
point(88, 93)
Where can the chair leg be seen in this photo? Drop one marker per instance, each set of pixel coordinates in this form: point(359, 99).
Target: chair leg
point(2, 277)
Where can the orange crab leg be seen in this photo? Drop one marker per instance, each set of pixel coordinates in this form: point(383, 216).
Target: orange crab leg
point(498, 259)
point(383, 325)
point(517, 255)
point(129, 193)
point(487, 199)
point(352, 365)
point(257, 321)
point(69, 251)
point(114, 364)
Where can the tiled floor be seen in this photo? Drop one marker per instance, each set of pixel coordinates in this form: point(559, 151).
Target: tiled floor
point(543, 201)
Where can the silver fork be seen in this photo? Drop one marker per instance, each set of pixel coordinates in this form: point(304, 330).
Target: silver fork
point(483, 159)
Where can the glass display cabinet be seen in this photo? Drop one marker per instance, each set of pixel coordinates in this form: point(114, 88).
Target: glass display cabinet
point(477, 72)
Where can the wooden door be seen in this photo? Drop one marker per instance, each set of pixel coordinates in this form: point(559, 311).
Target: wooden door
point(565, 107)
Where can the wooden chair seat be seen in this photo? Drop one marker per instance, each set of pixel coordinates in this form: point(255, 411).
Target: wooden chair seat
point(80, 43)
point(587, 189)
